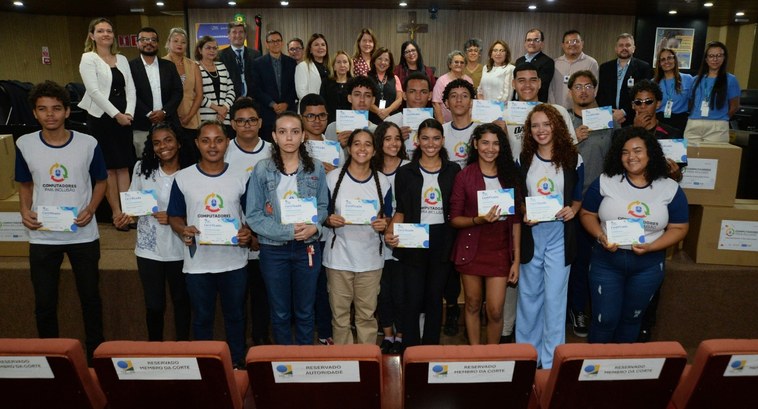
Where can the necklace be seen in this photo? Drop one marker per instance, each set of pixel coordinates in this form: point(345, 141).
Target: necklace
point(212, 74)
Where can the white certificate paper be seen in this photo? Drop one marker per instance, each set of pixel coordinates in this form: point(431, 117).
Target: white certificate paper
point(325, 151)
point(486, 111)
point(139, 203)
point(57, 218)
point(674, 149)
point(739, 235)
point(543, 208)
point(412, 235)
point(413, 117)
point(359, 211)
point(349, 120)
point(598, 118)
point(299, 210)
point(517, 111)
point(500, 197)
point(700, 174)
point(218, 230)
point(625, 232)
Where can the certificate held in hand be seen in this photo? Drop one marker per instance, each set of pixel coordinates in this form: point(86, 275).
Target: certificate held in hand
point(503, 198)
point(349, 120)
point(625, 232)
point(359, 211)
point(139, 203)
point(543, 208)
point(412, 235)
point(218, 231)
point(674, 149)
point(413, 117)
point(299, 210)
point(325, 151)
point(598, 118)
point(486, 111)
point(57, 218)
point(517, 111)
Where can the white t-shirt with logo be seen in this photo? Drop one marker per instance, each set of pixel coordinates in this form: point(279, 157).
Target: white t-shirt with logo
point(457, 142)
point(516, 132)
point(431, 199)
point(544, 178)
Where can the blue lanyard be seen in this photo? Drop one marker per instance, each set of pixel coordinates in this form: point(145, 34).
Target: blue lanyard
point(706, 95)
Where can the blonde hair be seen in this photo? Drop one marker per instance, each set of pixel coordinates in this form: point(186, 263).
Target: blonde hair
point(175, 32)
point(89, 43)
point(349, 62)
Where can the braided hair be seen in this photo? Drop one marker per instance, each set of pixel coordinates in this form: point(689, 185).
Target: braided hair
point(374, 175)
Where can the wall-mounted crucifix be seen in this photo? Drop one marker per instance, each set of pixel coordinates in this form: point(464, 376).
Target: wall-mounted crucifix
point(411, 27)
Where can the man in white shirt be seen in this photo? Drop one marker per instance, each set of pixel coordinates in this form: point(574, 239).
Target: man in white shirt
point(572, 60)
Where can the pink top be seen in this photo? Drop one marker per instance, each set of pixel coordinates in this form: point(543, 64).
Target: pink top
point(439, 88)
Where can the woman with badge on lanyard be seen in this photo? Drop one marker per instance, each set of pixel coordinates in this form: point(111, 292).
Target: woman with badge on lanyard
point(676, 88)
point(390, 96)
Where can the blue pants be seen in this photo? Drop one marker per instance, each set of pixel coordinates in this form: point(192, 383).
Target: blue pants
point(543, 284)
point(621, 286)
point(231, 287)
point(291, 287)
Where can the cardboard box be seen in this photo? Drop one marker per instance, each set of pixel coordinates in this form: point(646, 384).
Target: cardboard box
point(724, 235)
point(712, 173)
point(7, 166)
point(14, 237)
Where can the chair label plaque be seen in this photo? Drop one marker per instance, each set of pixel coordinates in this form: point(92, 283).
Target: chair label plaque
point(315, 371)
point(25, 367)
point(156, 368)
point(621, 369)
point(742, 365)
point(471, 372)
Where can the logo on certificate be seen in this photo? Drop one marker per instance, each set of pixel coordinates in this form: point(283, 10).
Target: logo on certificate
point(125, 366)
point(461, 150)
point(592, 370)
point(728, 230)
point(58, 173)
point(545, 186)
point(213, 203)
point(439, 371)
point(432, 196)
point(638, 209)
point(284, 371)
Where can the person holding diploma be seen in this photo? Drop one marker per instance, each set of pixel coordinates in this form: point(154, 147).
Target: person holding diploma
point(391, 304)
point(361, 92)
point(203, 199)
point(459, 98)
point(353, 254)
point(46, 161)
point(623, 277)
point(284, 188)
point(487, 247)
point(159, 250)
point(550, 165)
point(676, 88)
point(423, 188)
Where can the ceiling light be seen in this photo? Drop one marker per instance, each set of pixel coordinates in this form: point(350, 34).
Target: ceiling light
point(232, 3)
point(672, 11)
point(284, 3)
point(18, 3)
point(739, 13)
point(532, 7)
point(403, 4)
point(160, 4)
point(709, 4)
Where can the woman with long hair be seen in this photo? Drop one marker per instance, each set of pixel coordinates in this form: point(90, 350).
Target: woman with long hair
point(715, 97)
point(218, 88)
point(487, 248)
point(109, 99)
point(365, 45)
point(390, 96)
point(192, 85)
point(676, 88)
point(411, 60)
point(497, 76)
point(314, 68)
point(334, 88)
point(550, 165)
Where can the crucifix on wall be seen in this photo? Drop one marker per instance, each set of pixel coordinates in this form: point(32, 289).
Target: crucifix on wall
point(411, 27)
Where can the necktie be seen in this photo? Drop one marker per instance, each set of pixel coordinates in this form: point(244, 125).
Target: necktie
point(241, 65)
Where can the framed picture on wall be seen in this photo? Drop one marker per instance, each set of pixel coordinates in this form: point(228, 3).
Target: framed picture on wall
point(678, 39)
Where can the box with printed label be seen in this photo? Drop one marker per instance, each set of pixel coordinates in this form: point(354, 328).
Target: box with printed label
point(7, 166)
point(724, 235)
point(14, 237)
point(711, 175)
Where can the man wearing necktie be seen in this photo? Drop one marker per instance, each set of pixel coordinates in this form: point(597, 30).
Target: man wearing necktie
point(238, 59)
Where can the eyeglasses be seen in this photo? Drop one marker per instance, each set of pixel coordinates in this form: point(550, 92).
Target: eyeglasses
point(409, 52)
point(533, 40)
point(247, 121)
point(274, 41)
point(715, 56)
point(210, 47)
point(315, 117)
point(294, 49)
point(639, 102)
point(580, 87)
point(457, 62)
point(669, 58)
point(572, 42)
point(498, 51)
point(148, 40)
point(472, 50)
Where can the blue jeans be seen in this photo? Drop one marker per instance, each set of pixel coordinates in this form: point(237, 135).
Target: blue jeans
point(231, 286)
point(291, 287)
point(621, 286)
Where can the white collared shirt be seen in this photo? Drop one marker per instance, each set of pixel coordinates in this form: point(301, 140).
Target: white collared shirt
point(154, 77)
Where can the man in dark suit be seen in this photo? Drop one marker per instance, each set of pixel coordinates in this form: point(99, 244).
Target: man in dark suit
point(533, 44)
point(159, 88)
point(618, 76)
point(274, 83)
point(238, 59)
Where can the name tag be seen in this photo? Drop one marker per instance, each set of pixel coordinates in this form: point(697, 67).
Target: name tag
point(704, 109)
point(667, 109)
point(565, 79)
point(382, 104)
point(630, 82)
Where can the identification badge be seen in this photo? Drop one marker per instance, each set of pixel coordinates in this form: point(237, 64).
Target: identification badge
point(667, 109)
point(382, 104)
point(704, 109)
point(630, 82)
point(565, 79)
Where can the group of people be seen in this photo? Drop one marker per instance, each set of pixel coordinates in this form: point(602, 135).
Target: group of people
point(249, 146)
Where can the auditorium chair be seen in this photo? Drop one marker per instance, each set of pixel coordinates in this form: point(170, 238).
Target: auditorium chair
point(717, 378)
point(68, 383)
point(579, 380)
point(431, 376)
point(219, 386)
point(279, 378)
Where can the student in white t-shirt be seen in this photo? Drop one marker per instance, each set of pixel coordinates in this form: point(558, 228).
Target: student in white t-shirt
point(458, 97)
point(361, 93)
point(353, 255)
point(417, 95)
point(159, 250)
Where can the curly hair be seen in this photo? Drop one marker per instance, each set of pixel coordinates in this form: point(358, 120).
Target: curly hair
point(305, 158)
point(379, 133)
point(459, 83)
point(656, 166)
point(660, 75)
point(646, 85)
point(507, 172)
point(149, 162)
point(564, 153)
point(49, 89)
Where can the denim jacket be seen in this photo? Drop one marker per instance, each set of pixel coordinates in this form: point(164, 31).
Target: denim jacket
point(262, 193)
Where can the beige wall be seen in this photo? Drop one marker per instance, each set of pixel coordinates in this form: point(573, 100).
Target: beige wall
point(742, 44)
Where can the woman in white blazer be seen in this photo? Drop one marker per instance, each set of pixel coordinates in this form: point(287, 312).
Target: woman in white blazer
point(109, 100)
point(314, 68)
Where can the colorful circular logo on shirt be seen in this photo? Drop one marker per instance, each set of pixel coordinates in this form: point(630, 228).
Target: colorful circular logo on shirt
point(728, 230)
point(432, 196)
point(249, 169)
point(58, 173)
point(545, 186)
point(461, 150)
point(290, 194)
point(638, 209)
point(213, 203)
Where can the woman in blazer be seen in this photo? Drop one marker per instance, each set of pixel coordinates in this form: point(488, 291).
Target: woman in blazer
point(314, 68)
point(218, 88)
point(109, 100)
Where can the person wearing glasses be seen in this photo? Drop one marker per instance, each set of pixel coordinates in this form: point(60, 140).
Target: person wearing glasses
point(411, 60)
point(498, 74)
point(390, 96)
point(473, 49)
point(295, 49)
point(274, 83)
point(572, 60)
point(715, 97)
point(533, 43)
point(455, 63)
point(158, 87)
point(218, 88)
point(676, 88)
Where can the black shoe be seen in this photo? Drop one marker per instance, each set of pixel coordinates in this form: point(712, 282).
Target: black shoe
point(506, 339)
point(451, 320)
point(397, 348)
point(579, 323)
point(386, 346)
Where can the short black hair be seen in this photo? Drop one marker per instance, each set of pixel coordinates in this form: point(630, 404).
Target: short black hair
point(646, 85)
point(273, 32)
point(149, 30)
point(582, 73)
point(417, 75)
point(311, 100)
point(244, 103)
point(537, 30)
point(458, 83)
point(362, 81)
point(49, 89)
point(524, 66)
point(569, 32)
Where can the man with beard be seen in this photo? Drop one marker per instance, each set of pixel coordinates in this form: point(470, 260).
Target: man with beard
point(618, 76)
point(159, 88)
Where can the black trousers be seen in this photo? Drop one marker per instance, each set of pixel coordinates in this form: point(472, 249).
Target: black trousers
point(154, 275)
point(260, 315)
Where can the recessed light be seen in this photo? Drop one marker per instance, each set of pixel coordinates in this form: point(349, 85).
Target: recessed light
point(709, 4)
point(739, 13)
point(672, 11)
point(232, 3)
point(284, 3)
point(403, 4)
point(160, 4)
point(532, 7)
point(18, 3)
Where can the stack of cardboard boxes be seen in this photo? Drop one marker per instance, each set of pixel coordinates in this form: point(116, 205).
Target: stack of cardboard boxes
point(723, 230)
point(14, 238)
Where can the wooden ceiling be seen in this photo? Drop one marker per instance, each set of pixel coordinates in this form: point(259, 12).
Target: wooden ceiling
point(722, 13)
